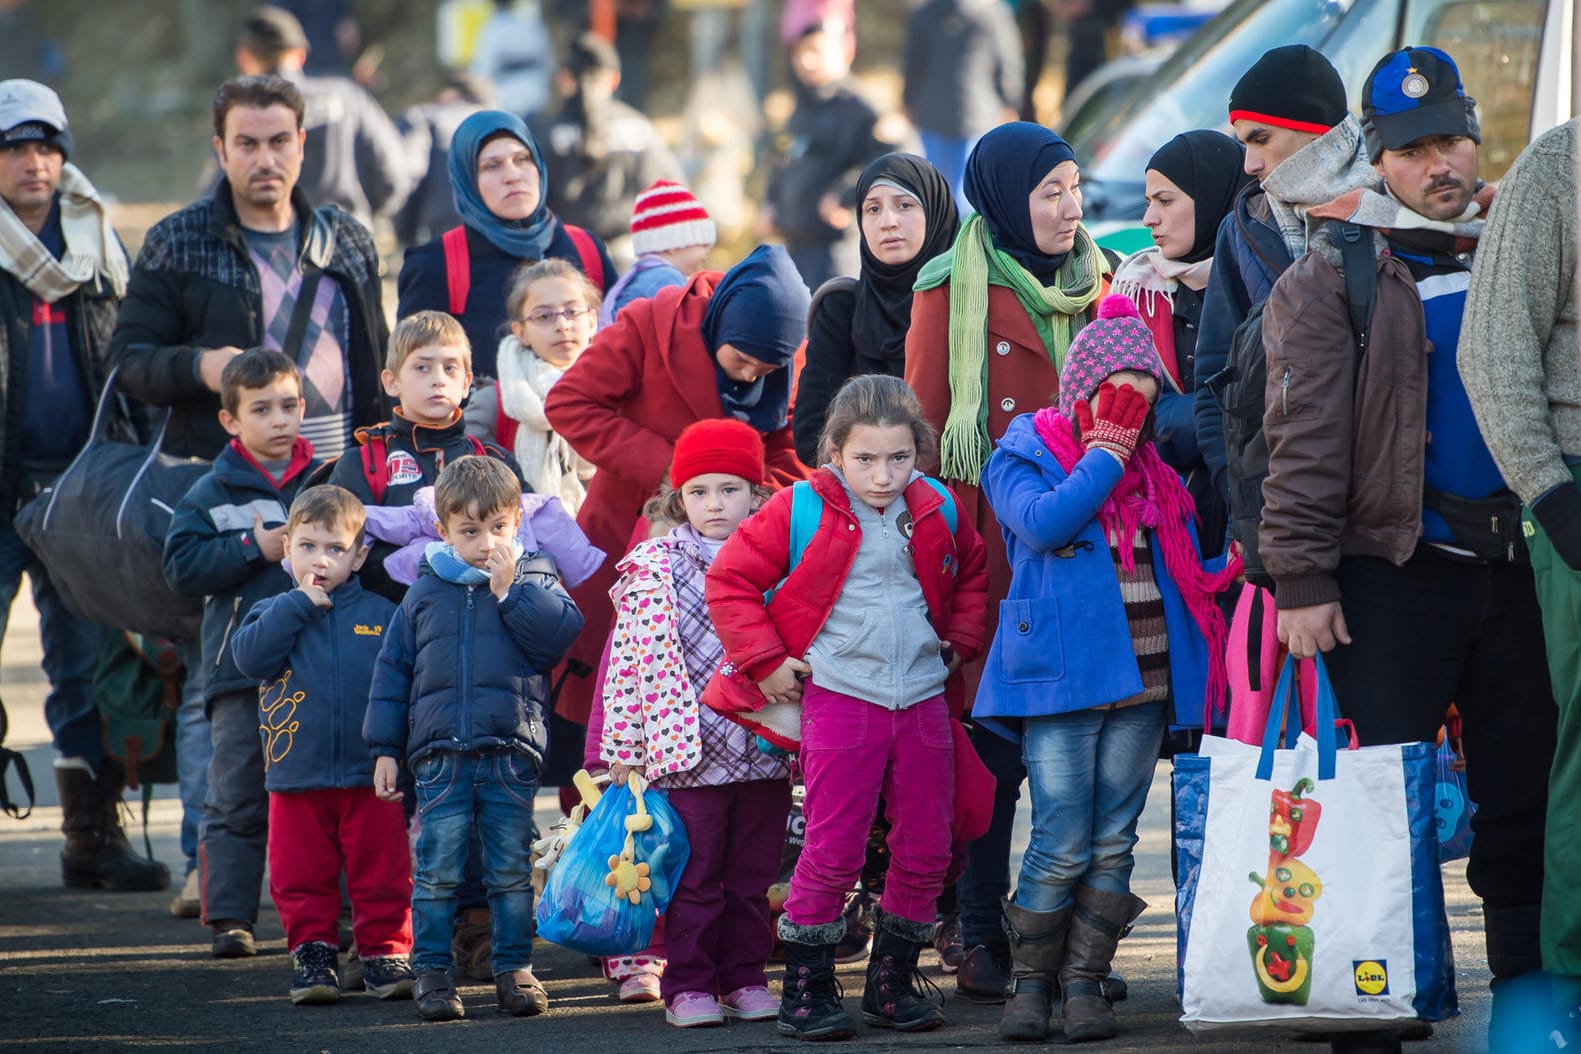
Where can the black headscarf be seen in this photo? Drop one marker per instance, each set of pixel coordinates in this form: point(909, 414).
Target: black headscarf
point(1207, 167)
point(759, 308)
point(1006, 166)
point(883, 292)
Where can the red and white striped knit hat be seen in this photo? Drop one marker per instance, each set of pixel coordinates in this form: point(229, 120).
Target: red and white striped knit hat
point(666, 216)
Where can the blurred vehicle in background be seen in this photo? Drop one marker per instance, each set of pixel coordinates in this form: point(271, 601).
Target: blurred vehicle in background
point(1514, 56)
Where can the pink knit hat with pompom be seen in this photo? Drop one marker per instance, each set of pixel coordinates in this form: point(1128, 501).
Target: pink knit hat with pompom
point(1116, 340)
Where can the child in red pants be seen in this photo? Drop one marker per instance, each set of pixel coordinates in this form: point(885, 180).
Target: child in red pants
point(314, 648)
point(868, 633)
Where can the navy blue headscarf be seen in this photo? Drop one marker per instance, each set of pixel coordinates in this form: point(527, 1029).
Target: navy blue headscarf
point(759, 308)
point(1005, 167)
point(526, 239)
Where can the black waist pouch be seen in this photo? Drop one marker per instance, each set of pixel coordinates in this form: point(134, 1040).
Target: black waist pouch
point(1488, 528)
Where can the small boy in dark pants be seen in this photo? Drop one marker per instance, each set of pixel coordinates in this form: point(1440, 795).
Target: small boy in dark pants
point(461, 693)
point(314, 648)
point(226, 541)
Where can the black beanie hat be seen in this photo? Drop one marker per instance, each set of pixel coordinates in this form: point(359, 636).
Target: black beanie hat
point(1291, 87)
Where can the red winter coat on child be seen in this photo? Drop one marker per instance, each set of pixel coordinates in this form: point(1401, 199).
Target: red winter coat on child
point(621, 406)
point(758, 638)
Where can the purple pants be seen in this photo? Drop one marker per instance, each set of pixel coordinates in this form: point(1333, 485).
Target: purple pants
point(851, 752)
point(716, 930)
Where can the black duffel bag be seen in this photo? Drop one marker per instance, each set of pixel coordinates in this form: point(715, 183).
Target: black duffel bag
point(100, 531)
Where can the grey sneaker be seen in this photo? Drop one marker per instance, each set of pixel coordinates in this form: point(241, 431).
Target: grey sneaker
point(233, 940)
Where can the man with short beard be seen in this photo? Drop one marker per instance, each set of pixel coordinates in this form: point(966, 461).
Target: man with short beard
point(253, 265)
point(62, 273)
point(1389, 531)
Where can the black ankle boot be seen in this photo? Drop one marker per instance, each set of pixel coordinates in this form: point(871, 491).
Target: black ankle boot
point(892, 998)
point(97, 852)
point(810, 1002)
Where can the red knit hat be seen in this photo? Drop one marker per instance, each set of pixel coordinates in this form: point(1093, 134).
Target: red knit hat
point(667, 216)
point(720, 444)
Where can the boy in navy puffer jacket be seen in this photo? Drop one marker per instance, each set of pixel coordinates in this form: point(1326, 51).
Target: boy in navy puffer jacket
point(461, 693)
point(226, 541)
point(314, 648)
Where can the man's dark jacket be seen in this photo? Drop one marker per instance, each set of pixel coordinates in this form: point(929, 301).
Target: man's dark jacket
point(194, 287)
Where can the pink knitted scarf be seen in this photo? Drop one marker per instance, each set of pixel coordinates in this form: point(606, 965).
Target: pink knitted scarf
point(1151, 496)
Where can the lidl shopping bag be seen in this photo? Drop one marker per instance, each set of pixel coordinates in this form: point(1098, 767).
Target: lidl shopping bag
point(616, 874)
point(1308, 894)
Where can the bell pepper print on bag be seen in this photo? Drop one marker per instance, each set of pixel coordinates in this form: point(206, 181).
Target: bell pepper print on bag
point(1280, 941)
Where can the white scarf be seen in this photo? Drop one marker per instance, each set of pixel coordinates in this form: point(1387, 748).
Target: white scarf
point(92, 249)
point(1148, 274)
point(547, 461)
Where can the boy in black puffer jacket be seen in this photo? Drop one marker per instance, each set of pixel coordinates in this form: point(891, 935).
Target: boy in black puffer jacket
point(461, 693)
point(314, 648)
point(226, 541)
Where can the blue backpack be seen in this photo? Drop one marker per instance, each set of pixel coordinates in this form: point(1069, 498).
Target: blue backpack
point(807, 511)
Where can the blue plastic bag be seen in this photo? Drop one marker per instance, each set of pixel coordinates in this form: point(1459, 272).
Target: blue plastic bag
point(1453, 807)
point(582, 908)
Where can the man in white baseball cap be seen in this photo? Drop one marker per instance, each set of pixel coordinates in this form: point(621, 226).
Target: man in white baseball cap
point(62, 275)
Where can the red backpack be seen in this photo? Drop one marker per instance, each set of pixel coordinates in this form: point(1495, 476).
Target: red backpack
point(458, 279)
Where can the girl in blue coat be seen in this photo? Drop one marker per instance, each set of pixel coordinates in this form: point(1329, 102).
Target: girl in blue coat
point(1109, 626)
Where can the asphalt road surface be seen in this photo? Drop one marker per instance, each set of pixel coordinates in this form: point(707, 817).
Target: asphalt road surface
point(97, 972)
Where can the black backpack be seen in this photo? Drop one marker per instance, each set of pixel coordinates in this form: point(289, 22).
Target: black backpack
point(1241, 392)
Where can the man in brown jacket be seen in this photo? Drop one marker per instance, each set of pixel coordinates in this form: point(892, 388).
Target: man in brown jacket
point(1388, 528)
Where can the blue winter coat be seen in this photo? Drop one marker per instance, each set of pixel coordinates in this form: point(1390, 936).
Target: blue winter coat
point(210, 552)
point(313, 668)
point(1063, 643)
point(461, 671)
point(1249, 254)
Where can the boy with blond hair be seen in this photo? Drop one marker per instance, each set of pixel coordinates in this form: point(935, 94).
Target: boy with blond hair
point(461, 695)
point(314, 648)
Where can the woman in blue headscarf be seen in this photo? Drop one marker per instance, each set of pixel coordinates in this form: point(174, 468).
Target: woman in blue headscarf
point(991, 321)
point(500, 185)
point(718, 346)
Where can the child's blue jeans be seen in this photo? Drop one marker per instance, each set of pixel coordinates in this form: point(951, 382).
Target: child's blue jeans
point(492, 792)
point(1090, 772)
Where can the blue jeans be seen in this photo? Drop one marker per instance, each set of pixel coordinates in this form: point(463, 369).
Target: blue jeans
point(194, 751)
point(1090, 772)
point(948, 154)
point(987, 877)
point(71, 648)
point(457, 793)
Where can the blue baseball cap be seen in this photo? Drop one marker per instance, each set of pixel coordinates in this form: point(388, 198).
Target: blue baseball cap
point(1412, 94)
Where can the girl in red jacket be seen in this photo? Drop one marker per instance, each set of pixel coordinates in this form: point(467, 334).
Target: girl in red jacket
point(867, 629)
point(732, 797)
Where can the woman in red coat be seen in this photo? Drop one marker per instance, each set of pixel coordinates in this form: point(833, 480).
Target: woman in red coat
point(990, 324)
point(717, 346)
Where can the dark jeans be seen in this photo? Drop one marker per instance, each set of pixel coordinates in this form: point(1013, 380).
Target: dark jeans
point(987, 877)
point(1438, 631)
point(71, 647)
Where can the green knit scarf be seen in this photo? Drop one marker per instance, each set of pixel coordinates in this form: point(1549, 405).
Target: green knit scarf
point(1056, 312)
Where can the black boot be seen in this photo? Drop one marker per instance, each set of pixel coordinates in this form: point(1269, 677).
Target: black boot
point(96, 851)
point(891, 998)
point(1099, 921)
point(810, 1001)
point(985, 973)
point(1522, 995)
point(1037, 947)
